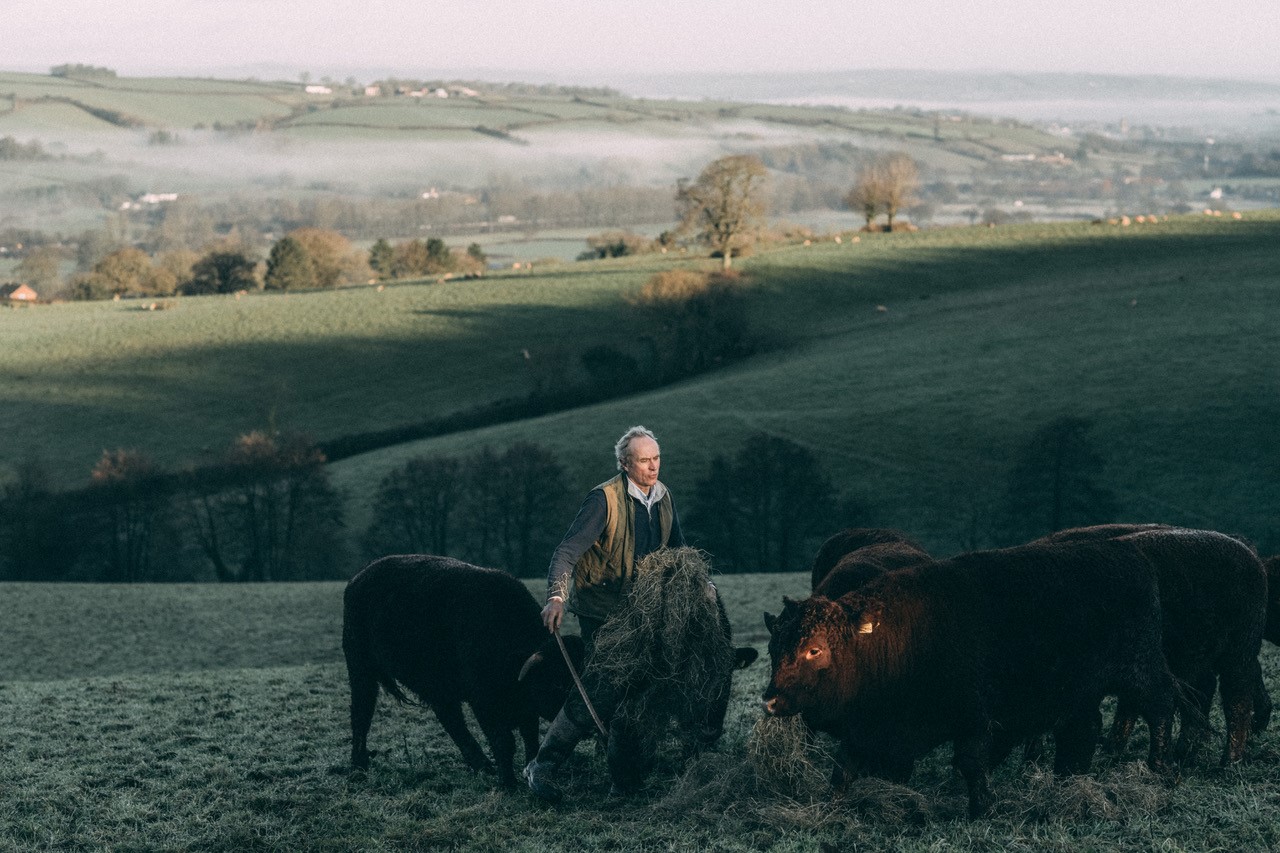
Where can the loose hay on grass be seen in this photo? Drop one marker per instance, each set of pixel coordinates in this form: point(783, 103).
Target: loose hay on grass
point(1120, 793)
point(783, 780)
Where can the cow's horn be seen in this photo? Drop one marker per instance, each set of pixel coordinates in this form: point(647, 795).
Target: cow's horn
point(534, 660)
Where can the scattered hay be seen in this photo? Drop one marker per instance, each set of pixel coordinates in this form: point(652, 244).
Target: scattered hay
point(667, 651)
point(784, 781)
point(1129, 790)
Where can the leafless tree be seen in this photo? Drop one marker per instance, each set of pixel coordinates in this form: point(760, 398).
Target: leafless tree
point(866, 193)
point(900, 179)
point(724, 207)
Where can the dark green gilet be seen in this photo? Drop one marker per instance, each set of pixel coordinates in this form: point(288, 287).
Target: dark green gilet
point(601, 574)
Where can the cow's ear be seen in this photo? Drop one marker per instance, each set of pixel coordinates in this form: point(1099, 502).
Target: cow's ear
point(533, 662)
point(870, 618)
point(769, 621)
point(744, 656)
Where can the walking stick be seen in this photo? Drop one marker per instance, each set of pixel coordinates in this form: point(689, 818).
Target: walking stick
point(582, 691)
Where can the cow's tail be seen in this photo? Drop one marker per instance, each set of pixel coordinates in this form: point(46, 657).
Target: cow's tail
point(357, 648)
point(1187, 700)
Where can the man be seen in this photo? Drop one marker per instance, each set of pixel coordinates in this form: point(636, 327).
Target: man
point(621, 521)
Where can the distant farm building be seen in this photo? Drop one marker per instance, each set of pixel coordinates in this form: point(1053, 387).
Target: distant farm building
point(372, 91)
point(18, 293)
point(314, 89)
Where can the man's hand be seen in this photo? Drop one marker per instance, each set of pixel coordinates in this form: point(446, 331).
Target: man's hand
point(553, 613)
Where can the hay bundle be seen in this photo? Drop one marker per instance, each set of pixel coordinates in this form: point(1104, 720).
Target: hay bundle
point(787, 759)
point(783, 781)
point(666, 652)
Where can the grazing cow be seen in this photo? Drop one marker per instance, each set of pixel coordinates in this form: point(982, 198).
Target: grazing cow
point(449, 633)
point(984, 650)
point(850, 540)
point(631, 747)
point(1213, 595)
point(664, 656)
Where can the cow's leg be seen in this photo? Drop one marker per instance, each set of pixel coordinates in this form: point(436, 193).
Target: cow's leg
point(529, 734)
point(449, 713)
point(502, 743)
point(1154, 698)
point(364, 698)
point(971, 759)
point(1121, 726)
point(1075, 741)
point(1261, 704)
point(1195, 717)
point(1239, 687)
point(628, 758)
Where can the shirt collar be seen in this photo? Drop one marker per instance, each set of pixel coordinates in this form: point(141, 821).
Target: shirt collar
point(655, 494)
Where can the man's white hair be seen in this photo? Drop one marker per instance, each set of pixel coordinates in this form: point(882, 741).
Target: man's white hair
point(622, 449)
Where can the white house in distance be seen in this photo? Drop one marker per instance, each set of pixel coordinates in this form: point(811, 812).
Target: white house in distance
point(316, 89)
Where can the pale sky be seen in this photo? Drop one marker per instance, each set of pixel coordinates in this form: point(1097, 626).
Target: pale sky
point(559, 38)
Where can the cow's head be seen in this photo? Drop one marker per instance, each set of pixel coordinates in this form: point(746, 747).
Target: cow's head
point(810, 642)
point(545, 677)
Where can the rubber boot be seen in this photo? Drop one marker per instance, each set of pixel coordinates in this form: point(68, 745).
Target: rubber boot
point(557, 745)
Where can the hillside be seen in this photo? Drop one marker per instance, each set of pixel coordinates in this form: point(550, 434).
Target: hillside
point(1157, 333)
point(1158, 337)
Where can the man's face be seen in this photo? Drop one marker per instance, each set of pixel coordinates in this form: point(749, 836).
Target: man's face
point(642, 462)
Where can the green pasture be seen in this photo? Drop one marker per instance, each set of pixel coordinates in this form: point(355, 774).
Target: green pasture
point(912, 365)
point(53, 118)
point(414, 113)
point(157, 102)
point(184, 381)
point(215, 718)
point(1160, 337)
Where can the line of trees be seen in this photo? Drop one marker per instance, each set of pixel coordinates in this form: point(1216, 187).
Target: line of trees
point(266, 510)
point(304, 259)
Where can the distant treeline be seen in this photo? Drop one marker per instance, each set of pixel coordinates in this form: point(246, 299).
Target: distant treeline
point(12, 149)
point(394, 84)
point(76, 69)
point(266, 510)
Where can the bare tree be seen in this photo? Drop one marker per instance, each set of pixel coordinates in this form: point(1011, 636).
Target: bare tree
point(866, 193)
point(724, 207)
point(132, 504)
point(900, 179)
point(889, 182)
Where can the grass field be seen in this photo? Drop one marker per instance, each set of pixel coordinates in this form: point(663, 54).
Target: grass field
point(150, 718)
point(912, 365)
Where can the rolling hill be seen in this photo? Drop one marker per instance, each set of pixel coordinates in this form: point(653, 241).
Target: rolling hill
point(913, 365)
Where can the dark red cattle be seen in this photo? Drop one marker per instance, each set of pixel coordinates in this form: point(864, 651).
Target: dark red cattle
point(449, 632)
point(1213, 597)
point(867, 563)
point(850, 540)
point(984, 651)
